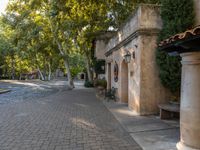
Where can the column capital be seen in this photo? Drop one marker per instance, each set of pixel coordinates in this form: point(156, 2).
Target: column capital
point(109, 60)
point(190, 58)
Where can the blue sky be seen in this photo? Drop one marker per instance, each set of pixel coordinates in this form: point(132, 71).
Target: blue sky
point(3, 4)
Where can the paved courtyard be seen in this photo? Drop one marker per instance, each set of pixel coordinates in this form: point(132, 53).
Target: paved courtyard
point(49, 117)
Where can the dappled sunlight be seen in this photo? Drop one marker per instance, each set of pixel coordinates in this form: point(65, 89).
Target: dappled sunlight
point(82, 122)
point(77, 120)
point(25, 83)
point(81, 105)
point(126, 111)
point(21, 91)
point(134, 99)
point(100, 133)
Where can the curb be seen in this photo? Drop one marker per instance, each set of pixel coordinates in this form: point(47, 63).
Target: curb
point(4, 91)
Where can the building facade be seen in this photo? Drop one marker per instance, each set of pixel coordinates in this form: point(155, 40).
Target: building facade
point(137, 82)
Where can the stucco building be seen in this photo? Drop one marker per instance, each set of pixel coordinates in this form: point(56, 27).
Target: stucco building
point(137, 82)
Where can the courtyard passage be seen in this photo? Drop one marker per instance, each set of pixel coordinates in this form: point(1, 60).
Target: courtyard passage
point(47, 116)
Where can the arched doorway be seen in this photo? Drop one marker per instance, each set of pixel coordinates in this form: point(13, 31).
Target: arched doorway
point(124, 82)
point(109, 76)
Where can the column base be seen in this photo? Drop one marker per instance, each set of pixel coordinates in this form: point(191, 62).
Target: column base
point(181, 146)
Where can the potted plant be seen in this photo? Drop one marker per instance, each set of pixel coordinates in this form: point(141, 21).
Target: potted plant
point(101, 84)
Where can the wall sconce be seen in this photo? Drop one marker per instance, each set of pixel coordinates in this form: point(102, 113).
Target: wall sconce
point(133, 54)
point(127, 57)
point(136, 46)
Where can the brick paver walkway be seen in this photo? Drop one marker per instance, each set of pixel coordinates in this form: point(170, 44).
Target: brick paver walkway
point(69, 120)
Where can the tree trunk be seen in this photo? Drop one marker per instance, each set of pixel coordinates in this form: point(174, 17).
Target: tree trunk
point(49, 75)
point(69, 77)
point(63, 54)
point(13, 69)
point(66, 62)
point(88, 69)
point(41, 75)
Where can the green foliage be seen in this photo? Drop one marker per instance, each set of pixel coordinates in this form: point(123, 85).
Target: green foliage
point(102, 83)
point(44, 34)
point(88, 84)
point(77, 64)
point(177, 16)
point(98, 64)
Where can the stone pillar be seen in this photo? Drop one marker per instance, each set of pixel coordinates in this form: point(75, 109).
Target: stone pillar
point(190, 102)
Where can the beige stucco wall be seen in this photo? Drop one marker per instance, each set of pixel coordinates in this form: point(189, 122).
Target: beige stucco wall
point(100, 49)
point(139, 34)
point(152, 92)
point(146, 17)
point(197, 11)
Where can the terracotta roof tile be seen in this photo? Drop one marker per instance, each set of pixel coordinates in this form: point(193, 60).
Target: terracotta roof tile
point(181, 36)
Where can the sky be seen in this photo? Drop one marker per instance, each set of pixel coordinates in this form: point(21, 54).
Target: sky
point(3, 4)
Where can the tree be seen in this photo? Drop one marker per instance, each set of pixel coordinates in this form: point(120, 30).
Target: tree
point(47, 29)
point(177, 16)
point(34, 41)
point(7, 49)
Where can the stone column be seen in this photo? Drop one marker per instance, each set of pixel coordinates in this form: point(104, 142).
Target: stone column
point(190, 102)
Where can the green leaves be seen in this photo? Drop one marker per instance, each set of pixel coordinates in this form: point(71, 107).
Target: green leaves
point(44, 31)
point(177, 17)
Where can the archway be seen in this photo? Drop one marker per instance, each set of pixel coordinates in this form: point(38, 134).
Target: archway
point(124, 82)
point(109, 76)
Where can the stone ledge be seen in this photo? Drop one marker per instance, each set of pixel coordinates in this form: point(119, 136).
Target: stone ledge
point(137, 33)
point(4, 91)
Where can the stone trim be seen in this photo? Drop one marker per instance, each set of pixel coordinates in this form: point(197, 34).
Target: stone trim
point(148, 32)
point(191, 58)
point(134, 13)
point(109, 60)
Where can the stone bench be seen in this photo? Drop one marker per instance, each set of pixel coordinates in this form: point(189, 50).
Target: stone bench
point(168, 111)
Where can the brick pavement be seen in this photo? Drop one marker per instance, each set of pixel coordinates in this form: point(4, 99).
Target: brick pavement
point(68, 120)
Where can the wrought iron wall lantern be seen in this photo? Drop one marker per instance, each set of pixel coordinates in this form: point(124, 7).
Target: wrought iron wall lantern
point(133, 54)
point(127, 57)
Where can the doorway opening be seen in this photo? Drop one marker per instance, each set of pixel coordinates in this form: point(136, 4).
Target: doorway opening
point(124, 82)
point(109, 76)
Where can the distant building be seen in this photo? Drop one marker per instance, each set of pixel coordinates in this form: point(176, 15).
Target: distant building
point(99, 53)
point(59, 73)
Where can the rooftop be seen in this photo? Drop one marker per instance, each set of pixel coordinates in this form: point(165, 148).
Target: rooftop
point(181, 36)
point(187, 41)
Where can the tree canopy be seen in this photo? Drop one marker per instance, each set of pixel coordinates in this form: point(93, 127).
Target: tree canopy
point(44, 34)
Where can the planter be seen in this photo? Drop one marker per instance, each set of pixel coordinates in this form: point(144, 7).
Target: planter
point(100, 88)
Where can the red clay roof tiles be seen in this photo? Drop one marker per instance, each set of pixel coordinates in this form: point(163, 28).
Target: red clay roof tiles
point(181, 36)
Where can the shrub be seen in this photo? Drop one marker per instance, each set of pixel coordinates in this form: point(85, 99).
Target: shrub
point(88, 84)
point(99, 66)
point(177, 16)
point(102, 83)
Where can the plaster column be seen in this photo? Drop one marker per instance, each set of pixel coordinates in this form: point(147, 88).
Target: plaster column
point(190, 102)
